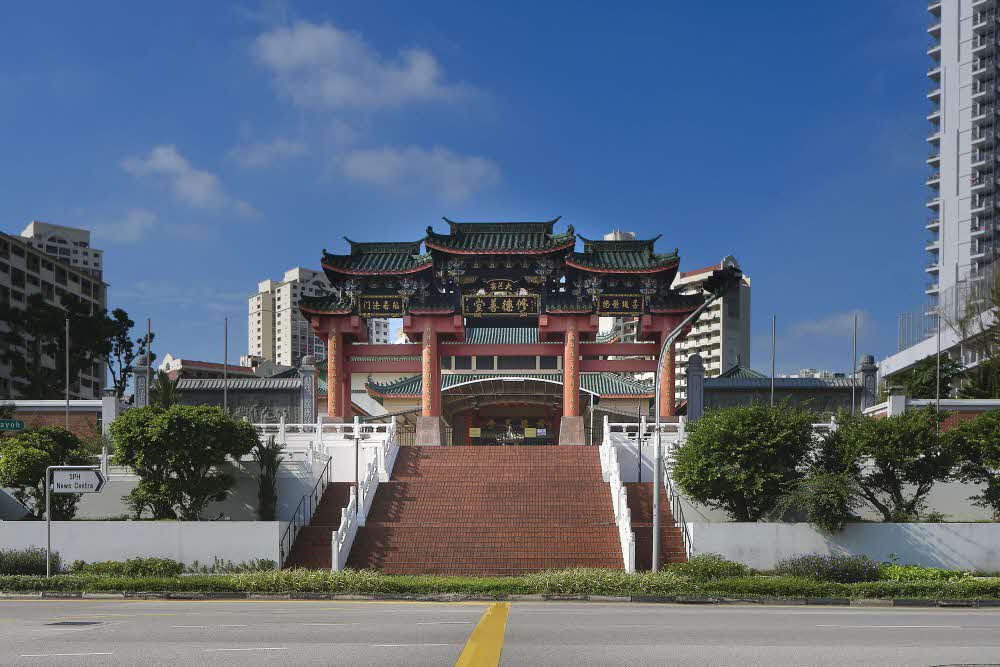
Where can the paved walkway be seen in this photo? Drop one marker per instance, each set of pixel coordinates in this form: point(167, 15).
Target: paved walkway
point(92, 632)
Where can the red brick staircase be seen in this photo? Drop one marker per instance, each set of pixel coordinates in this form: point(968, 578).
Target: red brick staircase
point(640, 504)
point(489, 511)
point(312, 546)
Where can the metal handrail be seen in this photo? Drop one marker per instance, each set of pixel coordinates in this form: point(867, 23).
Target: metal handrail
point(305, 509)
point(677, 513)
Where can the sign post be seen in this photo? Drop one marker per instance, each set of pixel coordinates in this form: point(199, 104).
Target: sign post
point(11, 425)
point(66, 479)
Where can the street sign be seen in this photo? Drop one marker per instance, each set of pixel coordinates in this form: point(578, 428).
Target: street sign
point(77, 481)
point(11, 425)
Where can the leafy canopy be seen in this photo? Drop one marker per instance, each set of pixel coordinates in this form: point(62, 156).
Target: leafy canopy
point(23, 460)
point(740, 459)
point(978, 440)
point(920, 381)
point(178, 454)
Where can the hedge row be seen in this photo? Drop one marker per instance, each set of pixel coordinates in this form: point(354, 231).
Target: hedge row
point(562, 582)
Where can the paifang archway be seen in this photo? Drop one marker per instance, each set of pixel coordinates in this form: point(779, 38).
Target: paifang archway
point(499, 275)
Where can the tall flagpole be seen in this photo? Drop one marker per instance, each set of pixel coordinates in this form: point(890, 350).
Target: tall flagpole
point(149, 359)
point(225, 366)
point(937, 392)
point(774, 328)
point(67, 373)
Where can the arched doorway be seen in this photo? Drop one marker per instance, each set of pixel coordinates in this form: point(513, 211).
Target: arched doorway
point(506, 410)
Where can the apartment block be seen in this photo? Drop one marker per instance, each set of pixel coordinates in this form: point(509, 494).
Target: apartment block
point(67, 244)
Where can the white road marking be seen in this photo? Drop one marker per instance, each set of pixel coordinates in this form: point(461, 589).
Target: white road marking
point(324, 624)
point(262, 648)
point(209, 626)
point(892, 626)
point(58, 655)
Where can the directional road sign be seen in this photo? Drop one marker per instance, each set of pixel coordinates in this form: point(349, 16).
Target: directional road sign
point(11, 425)
point(77, 481)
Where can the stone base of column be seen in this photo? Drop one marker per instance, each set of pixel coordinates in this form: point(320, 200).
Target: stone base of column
point(430, 431)
point(571, 431)
point(328, 419)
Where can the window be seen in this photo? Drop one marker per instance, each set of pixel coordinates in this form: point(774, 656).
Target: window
point(485, 363)
point(60, 275)
point(33, 263)
point(516, 362)
point(17, 277)
point(463, 363)
point(548, 362)
point(17, 250)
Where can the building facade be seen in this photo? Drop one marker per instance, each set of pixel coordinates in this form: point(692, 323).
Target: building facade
point(276, 330)
point(67, 244)
point(27, 269)
point(721, 335)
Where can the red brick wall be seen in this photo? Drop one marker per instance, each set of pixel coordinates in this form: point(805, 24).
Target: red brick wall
point(83, 424)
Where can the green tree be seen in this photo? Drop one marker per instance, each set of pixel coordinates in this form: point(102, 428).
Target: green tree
point(983, 380)
point(268, 458)
point(7, 410)
point(978, 443)
point(893, 462)
point(123, 349)
point(178, 454)
point(920, 381)
point(741, 459)
point(163, 392)
point(23, 460)
point(38, 331)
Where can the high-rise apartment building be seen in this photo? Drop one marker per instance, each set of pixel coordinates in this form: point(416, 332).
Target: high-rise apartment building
point(67, 244)
point(27, 268)
point(276, 329)
point(721, 334)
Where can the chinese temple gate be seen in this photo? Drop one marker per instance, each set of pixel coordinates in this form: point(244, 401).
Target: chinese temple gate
point(498, 290)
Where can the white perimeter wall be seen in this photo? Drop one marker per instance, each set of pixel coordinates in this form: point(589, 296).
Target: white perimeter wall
point(184, 541)
point(963, 546)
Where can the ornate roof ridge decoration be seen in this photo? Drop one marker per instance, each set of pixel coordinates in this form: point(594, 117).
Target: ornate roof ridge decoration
point(566, 302)
point(500, 238)
point(622, 256)
point(330, 303)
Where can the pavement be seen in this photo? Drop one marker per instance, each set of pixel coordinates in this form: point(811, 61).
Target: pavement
point(258, 632)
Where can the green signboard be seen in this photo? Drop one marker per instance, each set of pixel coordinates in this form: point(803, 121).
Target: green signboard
point(11, 425)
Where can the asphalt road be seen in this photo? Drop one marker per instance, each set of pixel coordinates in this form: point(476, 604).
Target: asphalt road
point(115, 632)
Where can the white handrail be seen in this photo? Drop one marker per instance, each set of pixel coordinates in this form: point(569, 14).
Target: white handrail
point(342, 539)
point(619, 499)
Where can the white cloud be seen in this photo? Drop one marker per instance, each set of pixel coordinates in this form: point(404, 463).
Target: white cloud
point(132, 227)
point(192, 186)
point(838, 324)
point(411, 170)
point(322, 66)
point(267, 153)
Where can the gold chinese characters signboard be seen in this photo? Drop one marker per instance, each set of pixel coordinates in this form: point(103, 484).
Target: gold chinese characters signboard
point(620, 304)
point(377, 305)
point(478, 305)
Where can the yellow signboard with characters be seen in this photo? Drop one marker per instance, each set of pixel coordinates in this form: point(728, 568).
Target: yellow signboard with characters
point(478, 305)
point(378, 305)
point(620, 304)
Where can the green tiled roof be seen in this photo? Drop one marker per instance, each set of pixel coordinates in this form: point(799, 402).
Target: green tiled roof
point(500, 237)
point(742, 373)
point(602, 384)
point(499, 336)
point(628, 255)
point(376, 258)
point(325, 303)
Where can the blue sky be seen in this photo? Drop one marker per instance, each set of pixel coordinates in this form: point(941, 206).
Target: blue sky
point(211, 145)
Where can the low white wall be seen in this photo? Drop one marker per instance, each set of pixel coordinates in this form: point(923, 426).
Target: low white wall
point(184, 541)
point(963, 546)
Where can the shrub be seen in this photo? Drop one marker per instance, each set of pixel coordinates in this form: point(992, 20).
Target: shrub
point(894, 572)
point(133, 567)
point(838, 568)
point(220, 566)
point(741, 459)
point(27, 561)
point(708, 567)
point(23, 460)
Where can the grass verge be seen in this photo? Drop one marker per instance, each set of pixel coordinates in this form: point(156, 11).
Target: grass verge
point(559, 582)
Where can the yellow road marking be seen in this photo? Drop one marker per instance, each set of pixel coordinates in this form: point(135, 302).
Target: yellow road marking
point(486, 641)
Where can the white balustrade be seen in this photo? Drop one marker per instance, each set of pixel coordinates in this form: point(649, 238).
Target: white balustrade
point(343, 538)
point(619, 498)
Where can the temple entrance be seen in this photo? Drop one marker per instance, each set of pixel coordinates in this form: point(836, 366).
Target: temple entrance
point(504, 411)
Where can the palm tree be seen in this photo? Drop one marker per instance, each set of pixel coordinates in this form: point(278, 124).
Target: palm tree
point(163, 393)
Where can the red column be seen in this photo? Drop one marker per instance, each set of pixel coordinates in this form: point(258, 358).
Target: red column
point(431, 370)
point(668, 400)
point(335, 371)
point(571, 371)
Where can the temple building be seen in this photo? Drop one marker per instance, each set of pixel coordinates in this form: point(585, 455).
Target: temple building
point(503, 323)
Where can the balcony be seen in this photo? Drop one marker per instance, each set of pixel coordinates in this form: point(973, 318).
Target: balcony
point(934, 29)
point(934, 202)
point(934, 159)
point(934, 7)
point(932, 288)
point(934, 50)
point(934, 116)
point(981, 112)
point(983, 42)
point(977, 5)
point(981, 204)
point(934, 180)
point(934, 95)
point(978, 229)
point(982, 68)
point(933, 244)
point(932, 267)
point(934, 73)
point(979, 158)
point(933, 224)
point(981, 21)
point(981, 183)
point(935, 136)
point(981, 90)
